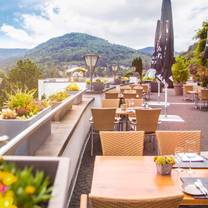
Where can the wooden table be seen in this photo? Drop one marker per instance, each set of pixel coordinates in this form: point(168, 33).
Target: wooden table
point(136, 177)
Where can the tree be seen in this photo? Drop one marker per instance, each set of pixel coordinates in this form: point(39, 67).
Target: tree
point(137, 63)
point(25, 75)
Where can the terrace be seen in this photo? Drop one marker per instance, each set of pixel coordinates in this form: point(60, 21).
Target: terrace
point(114, 131)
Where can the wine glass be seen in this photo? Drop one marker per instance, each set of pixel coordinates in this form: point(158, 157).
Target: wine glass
point(189, 145)
point(178, 149)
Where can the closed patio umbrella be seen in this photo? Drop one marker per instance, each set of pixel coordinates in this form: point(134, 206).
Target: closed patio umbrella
point(157, 54)
point(167, 41)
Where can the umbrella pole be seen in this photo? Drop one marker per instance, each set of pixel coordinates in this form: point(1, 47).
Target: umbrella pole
point(158, 90)
point(166, 98)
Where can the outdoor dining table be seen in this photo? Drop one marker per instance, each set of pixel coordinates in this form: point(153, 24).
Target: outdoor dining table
point(136, 178)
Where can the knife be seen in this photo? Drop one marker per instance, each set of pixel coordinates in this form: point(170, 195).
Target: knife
point(202, 186)
point(199, 187)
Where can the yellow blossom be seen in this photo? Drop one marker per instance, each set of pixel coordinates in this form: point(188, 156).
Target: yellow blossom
point(30, 189)
point(7, 178)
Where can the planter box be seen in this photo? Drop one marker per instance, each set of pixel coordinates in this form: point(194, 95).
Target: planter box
point(60, 114)
point(178, 89)
point(78, 98)
point(13, 127)
point(154, 87)
point(98, 86)
point(58, 171)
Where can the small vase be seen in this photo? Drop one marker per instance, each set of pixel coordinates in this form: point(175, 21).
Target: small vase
point(164, 169)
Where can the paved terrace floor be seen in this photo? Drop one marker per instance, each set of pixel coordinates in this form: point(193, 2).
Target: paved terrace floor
point(194, 119)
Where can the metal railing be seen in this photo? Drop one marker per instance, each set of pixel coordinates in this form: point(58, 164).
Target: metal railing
point(17, 140)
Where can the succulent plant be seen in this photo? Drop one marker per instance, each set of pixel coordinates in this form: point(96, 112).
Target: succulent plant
point(164, 160)
point(8, 114)
point(73, 87)
point(58, 97)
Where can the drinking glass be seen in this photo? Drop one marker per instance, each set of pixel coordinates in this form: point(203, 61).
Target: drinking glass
point(190, 149)
point(178, 149)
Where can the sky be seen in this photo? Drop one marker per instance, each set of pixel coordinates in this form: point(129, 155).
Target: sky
point(27, 23)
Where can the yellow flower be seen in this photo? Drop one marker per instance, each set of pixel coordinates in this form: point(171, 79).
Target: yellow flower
point(7, 200)
point(7, 178)
point(30, 189)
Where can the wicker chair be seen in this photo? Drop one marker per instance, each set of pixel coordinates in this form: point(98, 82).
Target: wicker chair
point(101, 202)
point(186, 89)
point(110, 103)
point(146, 91)
point(202, 98)
point(137, 102)
point(147, 121)
point(168, 140)
point(111, 95)
point(130, 94)
point(103, 119)
point(129, 143)
point(139, 91)
point(122, 89)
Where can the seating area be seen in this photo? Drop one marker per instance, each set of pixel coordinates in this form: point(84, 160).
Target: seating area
point(118, 168)
point(197, 94)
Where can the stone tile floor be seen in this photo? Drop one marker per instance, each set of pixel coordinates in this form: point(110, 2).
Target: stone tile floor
point(194, 119)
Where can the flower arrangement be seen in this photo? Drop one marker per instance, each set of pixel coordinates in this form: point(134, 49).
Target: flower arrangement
point(23, 188)
point(22, 105)
point(164, 164)
point(73, 87)
point(58, 97)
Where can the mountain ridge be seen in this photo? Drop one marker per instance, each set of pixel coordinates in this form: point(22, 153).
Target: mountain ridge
point(70, 48)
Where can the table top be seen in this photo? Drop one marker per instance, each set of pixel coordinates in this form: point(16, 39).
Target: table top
point(136, 177)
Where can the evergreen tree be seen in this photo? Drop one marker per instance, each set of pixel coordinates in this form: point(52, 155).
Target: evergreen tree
point(137, 63)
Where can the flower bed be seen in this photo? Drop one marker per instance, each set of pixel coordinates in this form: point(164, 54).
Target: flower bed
point(22, 111)
point(33, 182)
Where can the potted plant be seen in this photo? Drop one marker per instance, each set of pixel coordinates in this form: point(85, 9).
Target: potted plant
point(164, 164)
point(180, 72)
point(73, 88)
point(98, 85)
point(21, 111)
point(87, 81)
point(30, 182)
point(57, 98)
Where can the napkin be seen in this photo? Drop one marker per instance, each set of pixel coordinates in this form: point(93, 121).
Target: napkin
point(193, 157)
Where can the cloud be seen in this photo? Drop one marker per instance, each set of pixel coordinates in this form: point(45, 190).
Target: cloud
point(17, 34)
point(127, 22)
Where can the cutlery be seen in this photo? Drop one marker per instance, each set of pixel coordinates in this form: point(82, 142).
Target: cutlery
point(202, 186)
point(199, 187)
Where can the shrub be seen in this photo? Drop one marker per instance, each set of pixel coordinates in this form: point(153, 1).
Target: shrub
point(180, 70)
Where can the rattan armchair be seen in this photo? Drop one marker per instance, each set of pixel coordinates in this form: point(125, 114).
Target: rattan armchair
point(146, 91)
point(111, 95)
point(101, 202)
point(202, 98)
point(130, 94)
point(147, 121)
point(139, 91)
point(137, 102)
point(168, 140)
point(186, 89)
point(103, 119)
point(123, 88)
point(110, 103)
point(116, 143)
